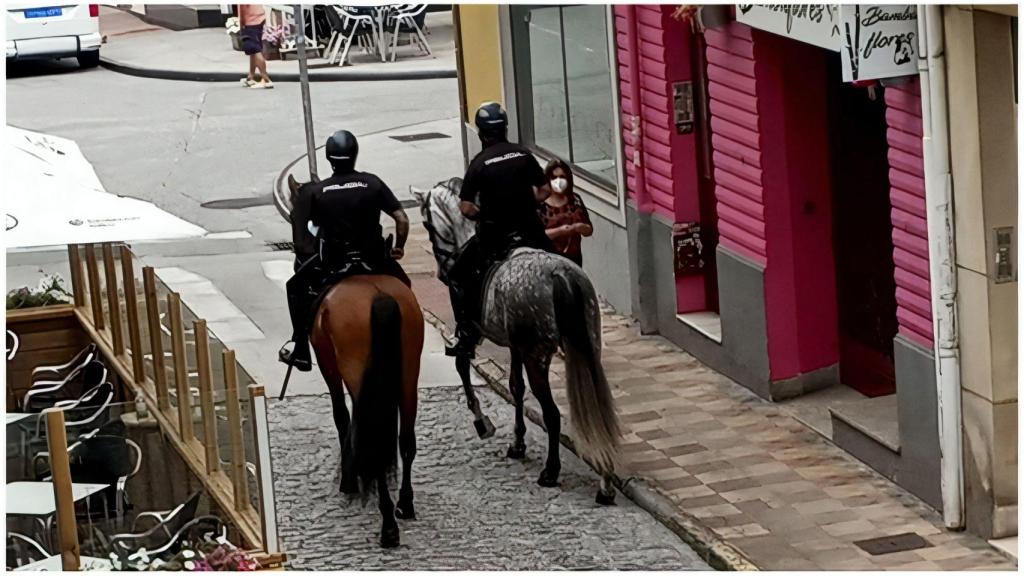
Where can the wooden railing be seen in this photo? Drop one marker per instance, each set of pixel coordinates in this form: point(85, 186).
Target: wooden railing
point(211, 410)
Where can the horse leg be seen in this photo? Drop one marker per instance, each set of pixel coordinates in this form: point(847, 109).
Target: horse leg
point(349, 484)
point(537, 371)
point(606, 494)
point(483, 424)
point(329, 370)
point(389, 528)
point(517, 387)
point(407, 449)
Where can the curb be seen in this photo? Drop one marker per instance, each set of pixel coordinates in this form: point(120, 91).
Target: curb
point(196, 76)
point(719, 554)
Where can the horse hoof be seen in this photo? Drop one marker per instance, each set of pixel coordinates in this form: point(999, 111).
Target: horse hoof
point(606, 499)
point(484, 427)
point(516, 452)
point(389, 538)
point(548, 479)
point(405, 511)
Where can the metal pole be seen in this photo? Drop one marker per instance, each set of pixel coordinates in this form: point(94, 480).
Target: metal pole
point(307, 112)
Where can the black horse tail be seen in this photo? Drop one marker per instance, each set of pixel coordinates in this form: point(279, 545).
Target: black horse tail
point(375, 412)
point(591, 406)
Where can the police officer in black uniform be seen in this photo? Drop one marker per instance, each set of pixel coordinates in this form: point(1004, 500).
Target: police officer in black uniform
point(503, 187)
point(343, 214)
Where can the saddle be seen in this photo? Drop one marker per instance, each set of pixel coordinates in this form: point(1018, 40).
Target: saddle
point(344, 260)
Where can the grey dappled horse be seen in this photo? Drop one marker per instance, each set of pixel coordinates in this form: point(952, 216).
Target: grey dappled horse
point(533, 303)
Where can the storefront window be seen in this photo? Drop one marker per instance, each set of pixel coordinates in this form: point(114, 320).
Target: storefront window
point(565, 85)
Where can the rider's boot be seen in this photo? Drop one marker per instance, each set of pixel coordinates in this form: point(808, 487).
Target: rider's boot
point(298, 357)
point(467, 334)
point(467, 337)
point(299, 302)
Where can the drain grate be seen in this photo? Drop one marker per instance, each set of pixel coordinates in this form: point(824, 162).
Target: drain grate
point(418, 137)
point(239, 203)
point(892, 544)
point(281, 246)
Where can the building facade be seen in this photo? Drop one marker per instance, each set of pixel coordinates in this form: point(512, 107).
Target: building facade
point(773, 218)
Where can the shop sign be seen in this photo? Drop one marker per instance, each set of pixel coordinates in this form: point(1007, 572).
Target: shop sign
point(816, 24)
point(878, 41)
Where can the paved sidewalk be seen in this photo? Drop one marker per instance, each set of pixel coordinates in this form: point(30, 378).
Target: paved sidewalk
point(741, 470)
point(205, 54)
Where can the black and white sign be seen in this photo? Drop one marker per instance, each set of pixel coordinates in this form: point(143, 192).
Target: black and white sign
point(878, 41)
point(816, 24)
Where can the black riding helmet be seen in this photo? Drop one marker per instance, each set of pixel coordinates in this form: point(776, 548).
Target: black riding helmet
point(491, 120)
point(342, 149)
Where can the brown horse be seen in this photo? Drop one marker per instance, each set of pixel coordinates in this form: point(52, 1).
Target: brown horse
point(368, 336)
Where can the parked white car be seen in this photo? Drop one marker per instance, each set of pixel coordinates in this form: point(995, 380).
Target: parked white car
point(37, 30)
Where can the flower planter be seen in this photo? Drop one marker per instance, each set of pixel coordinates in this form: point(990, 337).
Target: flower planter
point(271, 52)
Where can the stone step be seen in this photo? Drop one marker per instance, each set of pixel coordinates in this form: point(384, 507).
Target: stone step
point(869, 430)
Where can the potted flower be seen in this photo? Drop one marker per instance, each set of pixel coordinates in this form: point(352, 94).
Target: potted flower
point(207, 556)
point(274, 36)
point(705, 17)
point(232, 28)
point(48, 292)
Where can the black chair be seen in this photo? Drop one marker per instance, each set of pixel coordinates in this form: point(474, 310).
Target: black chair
point(22, 550)
point(172, 528)
point(103, 456)
point(408, 19)
point(46, 393)
point(60, 371)
point(349, 24)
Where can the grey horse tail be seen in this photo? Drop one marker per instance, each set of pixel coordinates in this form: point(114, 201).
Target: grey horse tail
point(591, 407)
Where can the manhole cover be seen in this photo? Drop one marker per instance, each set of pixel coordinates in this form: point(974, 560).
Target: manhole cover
point(892, 544)
point(418, 137)
point(278, 246)
point(239, 203)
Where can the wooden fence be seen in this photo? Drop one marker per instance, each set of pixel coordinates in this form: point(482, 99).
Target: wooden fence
point(209, 408)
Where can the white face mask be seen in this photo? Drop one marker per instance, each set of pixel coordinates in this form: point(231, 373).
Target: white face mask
point(559, 185)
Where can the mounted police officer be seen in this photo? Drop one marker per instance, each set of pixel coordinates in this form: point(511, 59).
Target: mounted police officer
point(343, 215)
point(502, 190)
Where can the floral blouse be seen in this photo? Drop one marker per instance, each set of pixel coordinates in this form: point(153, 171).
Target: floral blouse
point(573, 212)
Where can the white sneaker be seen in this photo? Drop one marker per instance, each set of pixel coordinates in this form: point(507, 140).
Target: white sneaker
point(247, 82)
point(264, 85)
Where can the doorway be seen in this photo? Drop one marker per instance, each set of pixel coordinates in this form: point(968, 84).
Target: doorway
point(862, 235)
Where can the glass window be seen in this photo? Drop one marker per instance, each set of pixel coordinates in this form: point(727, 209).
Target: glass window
point(564, 85)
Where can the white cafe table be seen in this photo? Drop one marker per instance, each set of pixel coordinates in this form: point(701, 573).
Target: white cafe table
point(53, 564)
point(15, 417)
point(35, 499)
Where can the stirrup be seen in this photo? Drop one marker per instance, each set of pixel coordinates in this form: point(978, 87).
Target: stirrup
point(287, 356)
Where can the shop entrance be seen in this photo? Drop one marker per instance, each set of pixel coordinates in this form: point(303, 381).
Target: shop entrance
point(862, 235)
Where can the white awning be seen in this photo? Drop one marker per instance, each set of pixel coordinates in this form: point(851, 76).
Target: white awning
point(53, 197)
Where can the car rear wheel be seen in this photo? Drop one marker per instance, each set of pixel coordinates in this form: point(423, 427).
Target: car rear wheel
point(90, 59)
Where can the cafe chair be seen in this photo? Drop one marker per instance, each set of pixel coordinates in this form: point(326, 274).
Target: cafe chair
point(348, 25)
point(12, 345)
point(22, 550)
point(166, 535)
point(409, 19)
point(60, 371)
point(103, 459)
point(46, 393)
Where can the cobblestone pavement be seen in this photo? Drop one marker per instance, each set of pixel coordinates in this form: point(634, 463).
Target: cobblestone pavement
point(475, 508)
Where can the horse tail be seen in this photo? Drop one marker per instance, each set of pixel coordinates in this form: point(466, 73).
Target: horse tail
point(590, 398)
point(375, 412)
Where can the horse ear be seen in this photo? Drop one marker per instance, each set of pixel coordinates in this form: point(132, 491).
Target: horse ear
point(417, 194)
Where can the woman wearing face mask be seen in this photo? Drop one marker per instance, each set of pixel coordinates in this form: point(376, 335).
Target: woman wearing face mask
point(566, 219)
